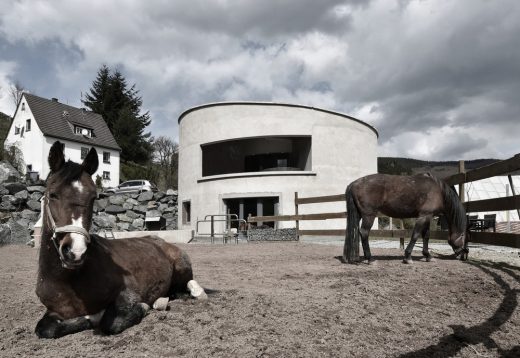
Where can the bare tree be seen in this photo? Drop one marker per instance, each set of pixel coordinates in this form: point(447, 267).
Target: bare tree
point(16, 91)
point(166, 156)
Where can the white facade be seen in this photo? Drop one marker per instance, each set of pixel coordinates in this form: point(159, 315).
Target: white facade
point(342, 149)
point(35, 146)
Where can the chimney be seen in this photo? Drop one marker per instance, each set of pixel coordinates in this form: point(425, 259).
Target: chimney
point(54, 99)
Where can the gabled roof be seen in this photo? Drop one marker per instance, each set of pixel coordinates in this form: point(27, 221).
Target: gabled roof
point(57, 120)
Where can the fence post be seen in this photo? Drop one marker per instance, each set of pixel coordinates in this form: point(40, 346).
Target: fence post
point(462, 169)
point(513, 192)
point(212, 230)
point(296, 213)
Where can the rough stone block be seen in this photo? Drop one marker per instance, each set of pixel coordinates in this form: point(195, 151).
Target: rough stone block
point(146, 196)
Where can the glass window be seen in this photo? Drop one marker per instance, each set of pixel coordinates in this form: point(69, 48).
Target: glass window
point(106, 157)
point(106, 175)
point(84, 152)
point(77, 130)
point(16, 130)
point(186, 212)
point(28, 125)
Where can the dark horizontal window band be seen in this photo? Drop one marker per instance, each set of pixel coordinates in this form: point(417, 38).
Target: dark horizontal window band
point(256, 174)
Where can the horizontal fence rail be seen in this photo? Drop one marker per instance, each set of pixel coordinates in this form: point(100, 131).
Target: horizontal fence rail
point(499, 168)
point(323, 216)
point(490, 238)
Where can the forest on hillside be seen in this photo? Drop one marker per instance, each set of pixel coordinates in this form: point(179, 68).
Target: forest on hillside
point(394, 165)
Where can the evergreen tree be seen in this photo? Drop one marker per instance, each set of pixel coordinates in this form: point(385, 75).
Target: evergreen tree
point(120, 107)
point(96, 99)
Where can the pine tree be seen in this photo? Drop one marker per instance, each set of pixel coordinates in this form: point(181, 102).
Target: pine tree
point(120, 107)
point(96, 99)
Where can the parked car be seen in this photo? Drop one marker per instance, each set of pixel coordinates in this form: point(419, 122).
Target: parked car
point(132, 186)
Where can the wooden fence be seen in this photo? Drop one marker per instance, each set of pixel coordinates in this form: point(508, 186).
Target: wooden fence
point(505, 167)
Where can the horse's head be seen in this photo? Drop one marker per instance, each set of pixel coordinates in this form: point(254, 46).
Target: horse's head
point(69, 202)
point(459, 243)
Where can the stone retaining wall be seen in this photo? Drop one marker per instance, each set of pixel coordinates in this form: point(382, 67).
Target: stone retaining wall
point(20, 209)
point(269, 234)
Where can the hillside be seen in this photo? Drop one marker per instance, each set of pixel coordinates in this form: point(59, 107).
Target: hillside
point(390, 165)
point(5, 122)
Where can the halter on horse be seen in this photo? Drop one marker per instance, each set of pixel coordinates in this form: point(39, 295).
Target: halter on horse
point(62, 230)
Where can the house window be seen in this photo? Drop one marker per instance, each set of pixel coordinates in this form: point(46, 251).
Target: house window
point(28, 125)
point(106, 175)
point(83, 131)
point(106, 157)
point(17, 130)
point(29, 167)
point(84, 152)
point(23, 106)
point(186, 212)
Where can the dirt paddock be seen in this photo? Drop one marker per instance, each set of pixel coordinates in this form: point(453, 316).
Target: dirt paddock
point(295, 300)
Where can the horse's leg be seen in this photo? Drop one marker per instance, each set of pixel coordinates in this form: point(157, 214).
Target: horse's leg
point(366, 225)
point(122, 314)
point(426, 237)
point(417, 230)
point(52, 327)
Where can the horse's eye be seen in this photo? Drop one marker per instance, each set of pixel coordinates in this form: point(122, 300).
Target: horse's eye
point(54, 196)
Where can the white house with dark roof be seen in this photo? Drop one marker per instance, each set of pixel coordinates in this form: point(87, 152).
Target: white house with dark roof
point(39, 122)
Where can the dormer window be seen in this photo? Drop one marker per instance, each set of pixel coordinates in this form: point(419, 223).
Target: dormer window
point(87, 132)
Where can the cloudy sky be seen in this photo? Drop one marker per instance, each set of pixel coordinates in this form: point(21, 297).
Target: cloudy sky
point(439, 79)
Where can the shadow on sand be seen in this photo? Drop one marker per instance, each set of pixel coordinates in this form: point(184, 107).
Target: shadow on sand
point(463, 336)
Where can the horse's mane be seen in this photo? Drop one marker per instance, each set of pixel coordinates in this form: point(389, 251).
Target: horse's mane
point(454, 210)
point(69, 172)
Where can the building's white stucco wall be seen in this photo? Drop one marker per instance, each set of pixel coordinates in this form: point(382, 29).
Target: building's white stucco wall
point(35, 148)
point(73, 152)
point(31, 143)
point(342, 150)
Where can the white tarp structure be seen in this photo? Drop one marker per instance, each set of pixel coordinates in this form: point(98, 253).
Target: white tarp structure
point(490, 188)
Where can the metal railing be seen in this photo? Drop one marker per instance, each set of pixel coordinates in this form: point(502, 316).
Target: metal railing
point(228, 233)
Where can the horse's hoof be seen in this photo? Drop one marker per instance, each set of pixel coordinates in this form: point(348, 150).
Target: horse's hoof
point(407, 261)
point(196, 290)
point(370, 262)
point(160, 304)
point(429, 259)
point(145, 307)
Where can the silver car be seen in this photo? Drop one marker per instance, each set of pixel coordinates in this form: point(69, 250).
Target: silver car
point(133, 186)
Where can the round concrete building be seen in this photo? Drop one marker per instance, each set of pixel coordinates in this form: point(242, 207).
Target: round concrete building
point(249, 158)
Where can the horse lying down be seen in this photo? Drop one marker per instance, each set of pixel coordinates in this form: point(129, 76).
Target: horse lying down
point(86, 281)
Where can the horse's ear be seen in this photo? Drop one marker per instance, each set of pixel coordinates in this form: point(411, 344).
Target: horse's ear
point(91, 162)
point(56, 157)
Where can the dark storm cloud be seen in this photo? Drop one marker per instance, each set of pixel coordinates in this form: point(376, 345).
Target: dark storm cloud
point(438, 79)
point(266, 19)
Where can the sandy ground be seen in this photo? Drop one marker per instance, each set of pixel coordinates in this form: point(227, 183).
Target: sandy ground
point(295, 300)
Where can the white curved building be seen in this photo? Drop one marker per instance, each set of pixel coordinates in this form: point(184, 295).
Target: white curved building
point(250, 158)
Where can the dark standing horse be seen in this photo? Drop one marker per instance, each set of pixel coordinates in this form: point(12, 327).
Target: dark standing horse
point(419, 196)
point(85, 280)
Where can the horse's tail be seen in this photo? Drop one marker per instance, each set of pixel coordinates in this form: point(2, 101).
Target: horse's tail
point(351, 248)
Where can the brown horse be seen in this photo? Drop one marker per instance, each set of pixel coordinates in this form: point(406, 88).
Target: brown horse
point(87, 281)
point(419, 196)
